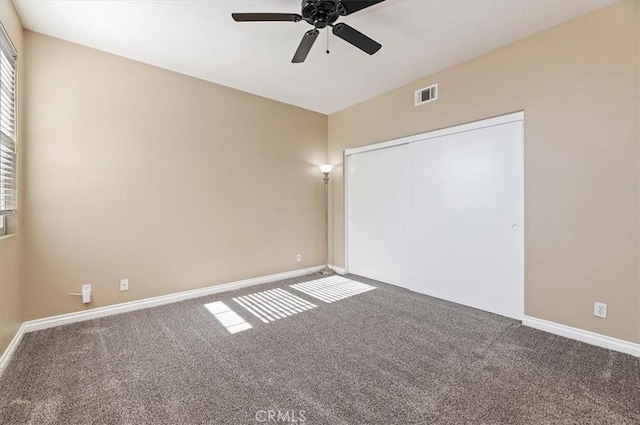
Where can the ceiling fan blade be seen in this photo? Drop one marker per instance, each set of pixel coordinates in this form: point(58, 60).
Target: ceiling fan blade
point(266, 17)
point(305, 46)
point(352, 6)
point(355, 37)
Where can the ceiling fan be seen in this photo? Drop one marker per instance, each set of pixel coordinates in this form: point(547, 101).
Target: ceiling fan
point(320, 14)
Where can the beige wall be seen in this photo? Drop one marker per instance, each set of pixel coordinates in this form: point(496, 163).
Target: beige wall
point(172, 182)
point(11, 245)
point(578, 85)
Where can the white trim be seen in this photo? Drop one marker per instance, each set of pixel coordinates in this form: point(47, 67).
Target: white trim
point(64, 319)
point(490, 122)
point(583, 336)
point(523, 221)
point(11, 349)
point(345, 206)
point(338, 270)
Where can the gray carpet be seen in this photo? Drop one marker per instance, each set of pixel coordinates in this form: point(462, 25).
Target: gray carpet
point(387, 356)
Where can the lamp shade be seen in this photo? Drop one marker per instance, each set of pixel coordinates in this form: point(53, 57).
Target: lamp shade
point(326, 168)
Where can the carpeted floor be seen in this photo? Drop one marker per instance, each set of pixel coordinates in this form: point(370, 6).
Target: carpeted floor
point(387, 356)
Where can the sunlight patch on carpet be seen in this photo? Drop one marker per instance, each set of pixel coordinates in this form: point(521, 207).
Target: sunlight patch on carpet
point(333, 288)
point(227, 317)
point(273, 304)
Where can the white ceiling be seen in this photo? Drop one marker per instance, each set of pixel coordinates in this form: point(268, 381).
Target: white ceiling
point(199, 38)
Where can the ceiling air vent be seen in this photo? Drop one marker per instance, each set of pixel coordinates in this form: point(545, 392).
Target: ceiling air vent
point(426, 95)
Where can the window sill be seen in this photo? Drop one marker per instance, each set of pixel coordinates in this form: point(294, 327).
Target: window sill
point(8, 236)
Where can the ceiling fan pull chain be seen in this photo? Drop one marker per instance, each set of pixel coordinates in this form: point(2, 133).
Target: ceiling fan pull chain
point(328, 42)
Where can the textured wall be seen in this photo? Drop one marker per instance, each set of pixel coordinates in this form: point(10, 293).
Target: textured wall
point(578, 85)
point(172, 182)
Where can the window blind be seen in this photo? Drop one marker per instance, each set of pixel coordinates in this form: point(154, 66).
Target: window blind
point(8, 163)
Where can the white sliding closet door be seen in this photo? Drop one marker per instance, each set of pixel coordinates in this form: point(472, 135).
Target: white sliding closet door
point(466, 239)
point(442, 214)
point(378, 199)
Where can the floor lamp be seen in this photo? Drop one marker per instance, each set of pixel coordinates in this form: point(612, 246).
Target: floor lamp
point(326, 169)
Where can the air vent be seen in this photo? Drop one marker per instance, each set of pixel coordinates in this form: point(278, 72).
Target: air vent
point(426, 95)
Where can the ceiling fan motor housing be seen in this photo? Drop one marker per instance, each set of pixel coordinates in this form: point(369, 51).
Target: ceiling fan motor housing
point(321, 13)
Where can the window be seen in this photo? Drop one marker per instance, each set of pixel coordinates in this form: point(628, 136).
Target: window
point(8, 164)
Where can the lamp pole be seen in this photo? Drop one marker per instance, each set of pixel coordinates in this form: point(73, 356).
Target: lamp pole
point(326, 169)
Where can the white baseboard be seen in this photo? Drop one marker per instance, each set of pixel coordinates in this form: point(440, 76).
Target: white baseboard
point(11, 349)
point(49, 322)
point(582, 335)
point(64, 319)
point(338, 270)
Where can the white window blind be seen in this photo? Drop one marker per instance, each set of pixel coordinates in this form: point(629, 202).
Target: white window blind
point(8, 164)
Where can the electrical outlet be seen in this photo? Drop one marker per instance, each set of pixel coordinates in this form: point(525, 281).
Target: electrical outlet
point(86, 293)
point(299, 258)
point(600, 310)
point(124, 284)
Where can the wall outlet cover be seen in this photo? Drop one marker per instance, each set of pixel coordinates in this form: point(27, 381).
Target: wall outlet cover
point(124, 284)
point(600, 310)
point(86, 293)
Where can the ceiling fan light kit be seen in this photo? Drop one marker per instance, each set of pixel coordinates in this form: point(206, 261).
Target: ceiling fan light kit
point(321, 14)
